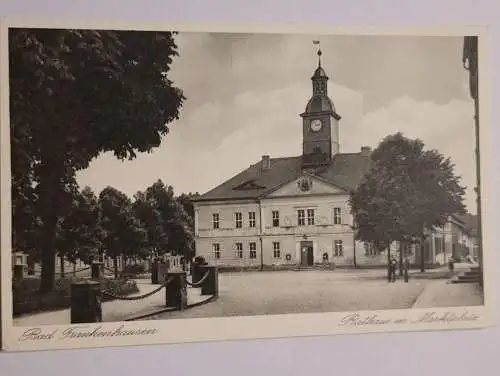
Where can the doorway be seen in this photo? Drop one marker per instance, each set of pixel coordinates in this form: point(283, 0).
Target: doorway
point(306, 253)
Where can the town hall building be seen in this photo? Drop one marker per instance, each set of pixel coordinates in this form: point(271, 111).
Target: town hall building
point(294, 210)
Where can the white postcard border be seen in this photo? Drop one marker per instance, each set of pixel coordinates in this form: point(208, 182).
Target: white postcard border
point(248, 327)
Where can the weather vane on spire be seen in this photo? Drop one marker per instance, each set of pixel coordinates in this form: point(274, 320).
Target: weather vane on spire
point(316, 42)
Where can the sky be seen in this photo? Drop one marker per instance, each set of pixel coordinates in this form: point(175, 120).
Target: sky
point(245, 93)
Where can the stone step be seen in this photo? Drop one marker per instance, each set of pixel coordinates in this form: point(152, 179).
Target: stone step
point(472, 274)
point(465, 279)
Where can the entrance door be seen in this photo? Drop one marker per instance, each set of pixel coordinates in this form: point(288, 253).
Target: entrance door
point(306, 253)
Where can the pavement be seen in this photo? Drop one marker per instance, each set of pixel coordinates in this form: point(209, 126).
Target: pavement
point(116, 310)
point(284, 292)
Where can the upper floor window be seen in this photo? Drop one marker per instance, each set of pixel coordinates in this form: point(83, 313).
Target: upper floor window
point(276, 218)
point(239, 220)
point(251, 219)
point(310, 217)
point(337, 216)
point(216, 247)
point(301, 217)
point(338, 248)
point(215, 220)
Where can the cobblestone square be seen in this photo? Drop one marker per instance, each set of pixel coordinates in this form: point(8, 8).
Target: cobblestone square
point(268, 293)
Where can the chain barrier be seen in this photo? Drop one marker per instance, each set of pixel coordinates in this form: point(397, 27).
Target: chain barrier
point(72, 272)
point(198, 284)
point(140, 297)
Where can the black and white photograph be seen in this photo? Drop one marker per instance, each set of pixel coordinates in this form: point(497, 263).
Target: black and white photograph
point(173, 185)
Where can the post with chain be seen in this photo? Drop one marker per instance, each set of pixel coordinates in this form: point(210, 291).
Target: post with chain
point(176, 291)
point(210, 284)
point(85, 302)
point(97, 270)
point(154, 272)
point(18, 272)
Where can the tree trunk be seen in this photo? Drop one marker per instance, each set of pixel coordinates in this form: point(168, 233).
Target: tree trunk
point(61, 265)
point(74, 268)
point(401, 250)
point(115, 265)
point(389, 263)
point(422, 257)
point(48, 257)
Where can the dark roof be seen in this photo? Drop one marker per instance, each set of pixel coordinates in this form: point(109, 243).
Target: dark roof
point(319, 72)
point(471, 223)
point(320, 103)
point(345, 171)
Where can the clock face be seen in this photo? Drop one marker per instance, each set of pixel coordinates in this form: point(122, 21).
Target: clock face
point(316, 125)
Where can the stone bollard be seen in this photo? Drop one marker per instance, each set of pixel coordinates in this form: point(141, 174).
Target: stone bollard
point(97, 269)
point(162, 272)
point(195, 273)
point(210, 285)
point(176, 290)
point(18, 272)
point(85, 302)
point(154, 273)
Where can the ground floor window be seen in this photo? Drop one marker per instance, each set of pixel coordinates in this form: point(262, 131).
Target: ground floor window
point(276, 250)
point(253, 250)
point(216, 247)
point(338, 248)
point(239, 250)
point(370, 250)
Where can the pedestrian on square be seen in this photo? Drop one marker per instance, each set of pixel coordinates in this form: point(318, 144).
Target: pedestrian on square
point(392, 269)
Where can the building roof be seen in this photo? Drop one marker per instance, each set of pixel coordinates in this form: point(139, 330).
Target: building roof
point(471, 223)
point(320, 103)
point(345, 171)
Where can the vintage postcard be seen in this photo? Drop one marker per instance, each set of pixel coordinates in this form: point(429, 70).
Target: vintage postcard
point(170, 183)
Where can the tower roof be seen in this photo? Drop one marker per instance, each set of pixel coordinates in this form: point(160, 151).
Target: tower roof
point(319, 73)
point(320, 103)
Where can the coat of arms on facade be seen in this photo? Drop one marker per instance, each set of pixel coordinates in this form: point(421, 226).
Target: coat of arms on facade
point(304, 184)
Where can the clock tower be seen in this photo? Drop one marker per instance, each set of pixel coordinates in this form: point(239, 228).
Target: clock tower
point(320, 123)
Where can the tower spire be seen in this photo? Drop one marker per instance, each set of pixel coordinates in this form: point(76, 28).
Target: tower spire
point(316, 42)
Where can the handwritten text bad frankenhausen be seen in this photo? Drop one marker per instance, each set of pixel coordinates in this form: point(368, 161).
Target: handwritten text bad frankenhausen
point(83, 332)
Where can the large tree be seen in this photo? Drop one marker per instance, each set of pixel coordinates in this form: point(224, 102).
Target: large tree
point(123, 233)
point(79, 235)
point(73, 95)
point(407, 193)
point(175, 221)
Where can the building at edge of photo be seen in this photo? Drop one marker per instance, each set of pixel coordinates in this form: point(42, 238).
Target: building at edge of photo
point(294, 211)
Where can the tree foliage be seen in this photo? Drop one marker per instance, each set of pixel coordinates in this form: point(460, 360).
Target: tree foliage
point(408, 192)
point(170, 223)
point(73, 95)
point(123, 233)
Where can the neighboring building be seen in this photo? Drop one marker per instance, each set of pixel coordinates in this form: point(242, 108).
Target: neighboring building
point(294, 210)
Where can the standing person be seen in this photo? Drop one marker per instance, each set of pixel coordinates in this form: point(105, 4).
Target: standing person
point(406, 269)
point(392, 268)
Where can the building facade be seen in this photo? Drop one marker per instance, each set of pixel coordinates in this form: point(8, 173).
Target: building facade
point(295, 210)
